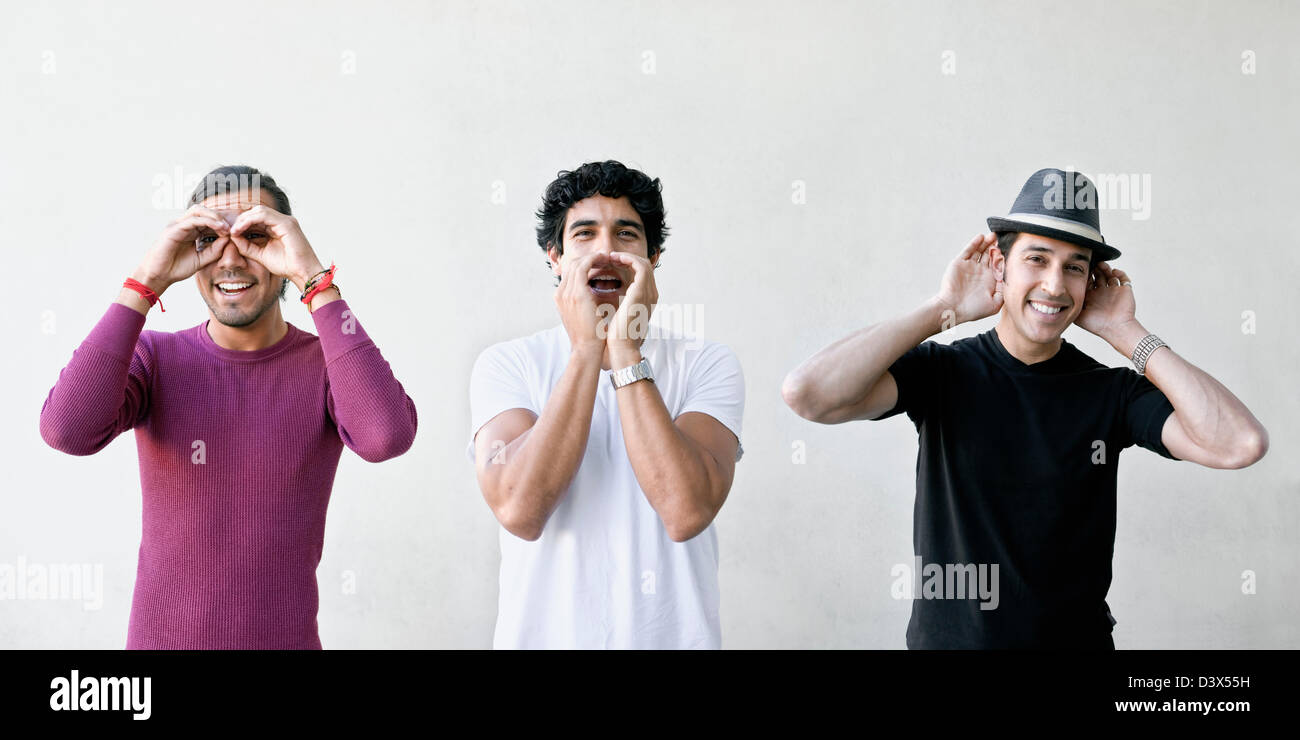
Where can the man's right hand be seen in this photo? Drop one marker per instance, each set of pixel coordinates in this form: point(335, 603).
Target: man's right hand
point(174, 256)
point(577, 306)
point(970, 288)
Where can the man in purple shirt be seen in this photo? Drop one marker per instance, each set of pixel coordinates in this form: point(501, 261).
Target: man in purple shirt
point(239, 421)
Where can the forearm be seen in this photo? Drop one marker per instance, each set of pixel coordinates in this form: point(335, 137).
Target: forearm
point(670, 468)
point(374, 415)
point(526, 479)
point(843, 373)
point(1212, 416)
point(94, 398)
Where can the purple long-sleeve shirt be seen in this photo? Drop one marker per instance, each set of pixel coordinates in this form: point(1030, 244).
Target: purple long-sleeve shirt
point(238, 452)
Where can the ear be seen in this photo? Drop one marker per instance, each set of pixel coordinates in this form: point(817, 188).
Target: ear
point(998, 262)
point(553, 254)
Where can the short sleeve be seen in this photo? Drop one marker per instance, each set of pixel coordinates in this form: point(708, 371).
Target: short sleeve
point(716, 386)
point(916, 374)
point(1145, 411)
point(498, 382)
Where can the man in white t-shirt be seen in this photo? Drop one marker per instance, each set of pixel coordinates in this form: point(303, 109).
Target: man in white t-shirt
point(604, 448)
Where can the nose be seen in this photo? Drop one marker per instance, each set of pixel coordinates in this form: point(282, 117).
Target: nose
point(230, 256)
point(1053, 284)
point(604, 242)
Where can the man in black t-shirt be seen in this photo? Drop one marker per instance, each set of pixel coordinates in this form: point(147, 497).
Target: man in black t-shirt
point(1019, 431)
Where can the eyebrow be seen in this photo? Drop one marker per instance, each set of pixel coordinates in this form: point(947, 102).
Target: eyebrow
point(1080, 256)
point(620, 222)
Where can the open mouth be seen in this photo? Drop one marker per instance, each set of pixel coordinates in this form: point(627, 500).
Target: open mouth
point(605, 284)
point(1047, 310)
point(233, 288)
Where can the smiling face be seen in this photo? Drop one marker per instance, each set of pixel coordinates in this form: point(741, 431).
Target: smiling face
point(250, 290)
point(1045, 283)
point(605, 225)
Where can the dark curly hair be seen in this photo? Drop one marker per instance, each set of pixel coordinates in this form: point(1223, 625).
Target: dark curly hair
point(233, 178)
point(612, 180)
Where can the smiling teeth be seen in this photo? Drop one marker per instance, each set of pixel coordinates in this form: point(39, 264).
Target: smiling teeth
point(233, 286)
point(1041, 308)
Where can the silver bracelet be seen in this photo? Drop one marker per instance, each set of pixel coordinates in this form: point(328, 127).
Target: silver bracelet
point(1149, 344)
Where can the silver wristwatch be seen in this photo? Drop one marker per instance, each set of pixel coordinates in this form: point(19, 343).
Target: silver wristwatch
point(631, 374)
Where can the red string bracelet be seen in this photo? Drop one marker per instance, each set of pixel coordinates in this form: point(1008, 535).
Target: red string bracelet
point(145, 292)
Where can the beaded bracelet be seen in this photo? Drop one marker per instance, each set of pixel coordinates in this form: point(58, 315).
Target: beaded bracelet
point(317, 283)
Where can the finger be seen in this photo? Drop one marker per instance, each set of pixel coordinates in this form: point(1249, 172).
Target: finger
point(212, 253)
point(219, 223)
point(579, 266)
point(625, 266)
point(242, 245)
point(640, 265)
point(203, 216)
point(642, 273)
point(574, 270)
point(567, 258)
point(204, 211)
point(189, 227)
point(255, 216)
point(970, 249)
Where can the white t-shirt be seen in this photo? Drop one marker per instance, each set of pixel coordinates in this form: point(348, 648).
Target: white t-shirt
point(604, 573)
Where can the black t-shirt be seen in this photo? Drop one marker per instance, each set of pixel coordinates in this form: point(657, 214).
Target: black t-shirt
point(1016, 468)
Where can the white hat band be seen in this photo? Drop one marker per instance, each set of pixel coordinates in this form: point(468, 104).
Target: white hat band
point(1064, 224)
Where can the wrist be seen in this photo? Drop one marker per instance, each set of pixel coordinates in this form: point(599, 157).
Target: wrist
point(330, 294)
point(623, 355)
point(300, 277)
point(1125, 337)
point(153, 282)
point(940, 315)
point(588, 351)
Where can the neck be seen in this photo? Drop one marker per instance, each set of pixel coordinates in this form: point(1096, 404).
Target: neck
point(268, 329)
point(1023, 349)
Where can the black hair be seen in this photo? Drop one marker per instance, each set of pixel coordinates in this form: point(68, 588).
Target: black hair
point(239, 177)
point(612, 180)
point(1007, 238)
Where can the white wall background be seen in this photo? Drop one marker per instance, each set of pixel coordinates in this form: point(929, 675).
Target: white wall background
point(392, 124)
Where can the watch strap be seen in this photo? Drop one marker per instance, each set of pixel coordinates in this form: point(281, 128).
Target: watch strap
point(631, 374)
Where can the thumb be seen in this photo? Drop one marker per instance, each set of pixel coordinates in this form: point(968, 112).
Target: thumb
point(247, 248)
point(211, 253)
point(208, 256)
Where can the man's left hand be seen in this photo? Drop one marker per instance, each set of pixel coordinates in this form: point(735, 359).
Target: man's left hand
point(277, 242)
point(1109, 305)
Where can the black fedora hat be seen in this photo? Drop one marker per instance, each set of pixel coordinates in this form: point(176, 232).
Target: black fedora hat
point(1060, 204)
